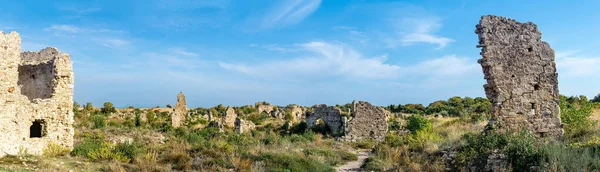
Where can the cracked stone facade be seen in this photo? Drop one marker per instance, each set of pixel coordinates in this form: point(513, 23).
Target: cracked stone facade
point(36, 98)
point(521, 77)
point(179, 112)
point(368, 121)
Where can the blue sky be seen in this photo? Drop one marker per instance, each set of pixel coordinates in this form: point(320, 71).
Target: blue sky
point(144, 52)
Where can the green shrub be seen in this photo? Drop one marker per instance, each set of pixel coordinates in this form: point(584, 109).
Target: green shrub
point(523, 152)
point(416, 123)
point(394, 140)
point(394, 125)
point(55, 150)
point(292, 162)
point(99, 121)
point(373, 164)
point(423, 140)
point(129, 149)
point(564, 158)
point(365, 144)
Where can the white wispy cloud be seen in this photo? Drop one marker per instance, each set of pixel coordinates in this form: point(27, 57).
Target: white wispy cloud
point(59, 29)
point(419, 30)
point(290, 12)
point(328, 60)
point(184, 52)
point(570, 64)
point(114, 43)
point(338, 60)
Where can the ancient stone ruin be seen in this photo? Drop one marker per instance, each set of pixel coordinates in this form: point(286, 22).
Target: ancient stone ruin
point(521, 77)
point(263, 107)
point(36, 98)
point(367, 121)
point(179, 112)
point(229, 118)
point(243, 126)
point(330, 115)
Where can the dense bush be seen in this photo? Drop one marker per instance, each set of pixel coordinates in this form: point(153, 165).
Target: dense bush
point(99, 121)
point(416, 123)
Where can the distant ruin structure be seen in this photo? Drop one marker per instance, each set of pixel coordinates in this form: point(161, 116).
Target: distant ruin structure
point(366, 122)
point(521, 77)
point(243, 126)
point(179, 112)
point(36, 98)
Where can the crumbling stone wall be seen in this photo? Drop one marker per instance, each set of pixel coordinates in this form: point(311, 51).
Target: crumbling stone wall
point(243, 126)
point(179, 112)
point(298, 113)
point(260, 107)
point(368, 121)
point(330, 115)
point(36, 98)
point(229, 118)
point(521, 77)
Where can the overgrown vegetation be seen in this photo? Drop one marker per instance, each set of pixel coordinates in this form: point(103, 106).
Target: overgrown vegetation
point(422, 139)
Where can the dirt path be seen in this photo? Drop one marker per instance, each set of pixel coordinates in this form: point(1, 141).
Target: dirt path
point(355, 165)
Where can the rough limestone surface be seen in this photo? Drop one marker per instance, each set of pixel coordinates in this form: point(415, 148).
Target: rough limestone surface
point(521, 77)
point(36, 98)
point(242, 126)
point(368, 121)
point(297, 113)
point(278, 114)
point(179, 112)
point(330, 115)
point(229, 118)
point(260, 107)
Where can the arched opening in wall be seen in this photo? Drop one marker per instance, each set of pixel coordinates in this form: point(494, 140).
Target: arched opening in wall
point(37, 129)
point(321, 127)
point(372, 134)
point(36, 81)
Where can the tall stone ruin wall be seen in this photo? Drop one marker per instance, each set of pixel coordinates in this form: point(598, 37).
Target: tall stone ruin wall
point(521, 77)
point(36, 98)
point(368, 121)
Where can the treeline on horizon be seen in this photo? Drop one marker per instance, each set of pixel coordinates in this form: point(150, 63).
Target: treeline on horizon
point(461, 106)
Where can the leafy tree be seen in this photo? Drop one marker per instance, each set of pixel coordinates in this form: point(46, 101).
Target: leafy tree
point(88, 107)
point(596, 99)
point(169, 106)
point(76, 106)
point(575, 111)
point(108, 108)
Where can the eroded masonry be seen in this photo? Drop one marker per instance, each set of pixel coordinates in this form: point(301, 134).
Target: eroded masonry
point(521, 77)
point(36, 98)
point(179, 112)
point(365, 122)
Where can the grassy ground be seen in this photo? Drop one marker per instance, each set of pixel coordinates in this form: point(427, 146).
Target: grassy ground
point(414, 143)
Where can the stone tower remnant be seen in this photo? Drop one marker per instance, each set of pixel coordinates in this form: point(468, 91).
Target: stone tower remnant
point(36, 98)
point(521, 77)
point(179, 112)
